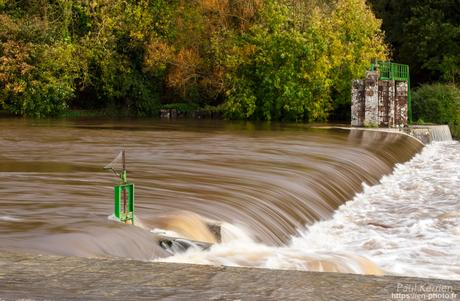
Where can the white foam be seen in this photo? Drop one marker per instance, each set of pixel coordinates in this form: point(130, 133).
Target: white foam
point(164, 232)
point(409, 224)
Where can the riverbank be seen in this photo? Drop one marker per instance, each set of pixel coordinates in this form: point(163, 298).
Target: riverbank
point(38, 277)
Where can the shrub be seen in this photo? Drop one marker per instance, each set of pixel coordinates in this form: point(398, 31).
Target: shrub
point(36, 80)
point(438, 103)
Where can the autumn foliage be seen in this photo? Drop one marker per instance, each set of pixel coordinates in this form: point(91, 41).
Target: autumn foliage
point(255, 59)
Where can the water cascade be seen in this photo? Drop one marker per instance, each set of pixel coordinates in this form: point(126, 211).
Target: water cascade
point(279, 192)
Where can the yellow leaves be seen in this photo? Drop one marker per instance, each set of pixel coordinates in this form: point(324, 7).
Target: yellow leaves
point(307, 56)
point(354, 35)
point(158, 54)
point(249, 50)
point(16, 88)
point(14, 66)
point(93, 4)
point(136, 35)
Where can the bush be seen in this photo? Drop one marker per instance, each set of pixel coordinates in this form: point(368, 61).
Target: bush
point(36, 80)
point(438, 103)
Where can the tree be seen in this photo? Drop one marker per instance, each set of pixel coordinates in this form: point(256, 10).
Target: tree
point(424, 34)
point(36, 78)
point(270, 60)
point(299, 67)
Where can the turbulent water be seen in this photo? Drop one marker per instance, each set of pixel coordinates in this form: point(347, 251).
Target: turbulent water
point(274, 188)
point(408, 224)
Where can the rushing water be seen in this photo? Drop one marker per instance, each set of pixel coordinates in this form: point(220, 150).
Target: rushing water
point(268, 185)
point(409, 224)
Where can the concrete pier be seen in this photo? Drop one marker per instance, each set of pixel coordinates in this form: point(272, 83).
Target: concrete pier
point(38, 277)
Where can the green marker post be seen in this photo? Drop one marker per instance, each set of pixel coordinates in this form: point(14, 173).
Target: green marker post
point(123, 195)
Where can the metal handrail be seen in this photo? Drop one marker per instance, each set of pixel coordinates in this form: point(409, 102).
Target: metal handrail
point(397, 72)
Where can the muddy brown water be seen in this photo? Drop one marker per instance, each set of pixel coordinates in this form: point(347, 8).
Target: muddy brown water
point(270, 179)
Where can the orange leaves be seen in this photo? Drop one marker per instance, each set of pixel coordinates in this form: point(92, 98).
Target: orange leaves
point(224, 12)
point(14, 66)
point(7, 27)
point(158, 55)
point(242, 9)
point(185, 70)
point(219, 6)
point(246, 9)
point(249, 50)
point(193, 60)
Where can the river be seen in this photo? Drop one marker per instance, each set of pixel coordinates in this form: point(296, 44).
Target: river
point(287, 196)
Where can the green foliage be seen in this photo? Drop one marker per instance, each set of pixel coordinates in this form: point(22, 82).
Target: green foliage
point(253, 59)
point(181, 107)
point(438, 103)
point(36, 79)
point(424, 34)
point(52, 86)
point(268, 79)
point(291, 70)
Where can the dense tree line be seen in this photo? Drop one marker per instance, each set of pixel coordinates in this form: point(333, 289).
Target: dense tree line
point(255, 59)
point(424, 34)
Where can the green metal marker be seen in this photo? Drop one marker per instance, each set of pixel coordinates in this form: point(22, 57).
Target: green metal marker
point(123, 193)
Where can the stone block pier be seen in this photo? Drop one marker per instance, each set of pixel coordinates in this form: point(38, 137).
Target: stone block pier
point(379, 103)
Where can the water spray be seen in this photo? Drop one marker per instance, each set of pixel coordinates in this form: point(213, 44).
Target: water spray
point(124, 192)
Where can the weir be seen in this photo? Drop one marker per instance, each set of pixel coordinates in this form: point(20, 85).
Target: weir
point(272, 185)
point(265, 186)
point(425, 134)
point(430, 133)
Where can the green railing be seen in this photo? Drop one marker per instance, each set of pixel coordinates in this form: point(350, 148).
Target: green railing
point(398, 72)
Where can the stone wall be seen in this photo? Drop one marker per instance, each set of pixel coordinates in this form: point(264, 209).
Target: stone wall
point(357, 106)
point(401, 107)
point(371, 102)
point(386, 103)
point(198, 114)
